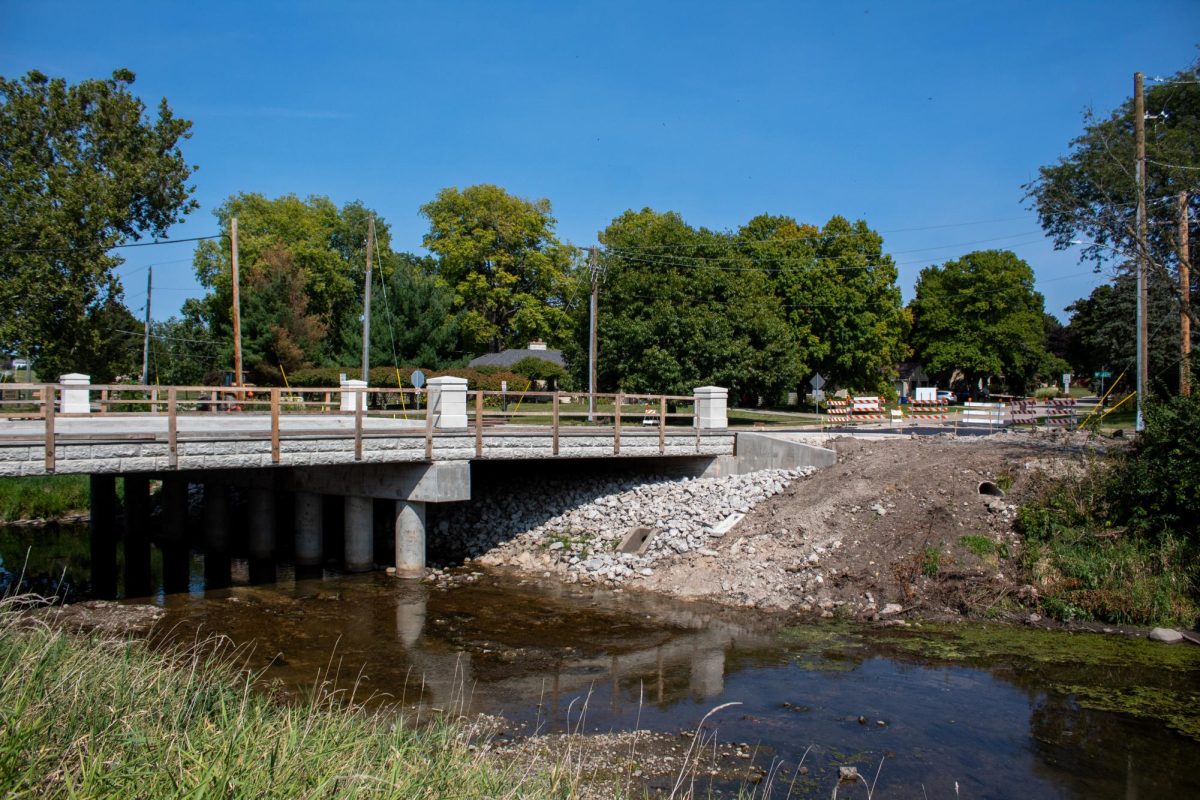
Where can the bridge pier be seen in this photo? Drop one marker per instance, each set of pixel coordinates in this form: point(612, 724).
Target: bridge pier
point(359, 541)
point(410, 539)
point(216, 535)
point(103, 489)
point(176, 556)
point(309, 530)
point(262, 535)
point(137, 535)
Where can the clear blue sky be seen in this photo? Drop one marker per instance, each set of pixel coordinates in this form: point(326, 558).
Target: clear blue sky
point(911, 115)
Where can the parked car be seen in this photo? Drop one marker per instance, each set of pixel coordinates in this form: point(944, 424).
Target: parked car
point(949, 397)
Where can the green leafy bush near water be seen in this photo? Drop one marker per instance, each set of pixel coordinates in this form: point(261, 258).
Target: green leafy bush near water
point(1119, 541)
point(99, 717)
point(47, 497)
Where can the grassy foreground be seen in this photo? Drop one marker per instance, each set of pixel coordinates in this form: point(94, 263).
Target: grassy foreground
point(87, 716)
point(42, 498)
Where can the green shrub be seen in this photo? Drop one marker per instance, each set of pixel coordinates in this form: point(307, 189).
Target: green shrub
point(48, 497)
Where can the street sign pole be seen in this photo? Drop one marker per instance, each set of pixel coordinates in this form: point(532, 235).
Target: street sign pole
point(817, 383)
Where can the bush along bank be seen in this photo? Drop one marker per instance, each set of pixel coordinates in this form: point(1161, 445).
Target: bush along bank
point(573, 529)
point(1119, 540)
point(93, 716)
point(43, 498)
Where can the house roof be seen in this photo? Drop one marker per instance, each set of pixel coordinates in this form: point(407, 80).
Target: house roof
point(507, 358)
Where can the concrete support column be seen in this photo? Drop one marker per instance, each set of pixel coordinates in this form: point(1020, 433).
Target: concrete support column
point(711, 407)
point(262, 535)
point(360, 549)
point(410, 539)
point(448, 402)
point(216, 535)
point(309, 530)
point(137, 536)
point(103, 490)
point(76, 393)
point(175, 549)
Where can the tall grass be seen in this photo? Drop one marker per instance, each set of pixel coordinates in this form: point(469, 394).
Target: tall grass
point(89, 716)
point(46, 497)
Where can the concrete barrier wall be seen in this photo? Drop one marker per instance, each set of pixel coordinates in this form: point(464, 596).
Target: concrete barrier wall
point(757, 451)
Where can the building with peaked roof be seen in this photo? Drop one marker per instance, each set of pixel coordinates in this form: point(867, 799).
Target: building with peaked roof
point(506, 358)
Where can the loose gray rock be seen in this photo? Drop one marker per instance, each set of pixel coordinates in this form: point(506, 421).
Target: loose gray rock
point(1168, 635)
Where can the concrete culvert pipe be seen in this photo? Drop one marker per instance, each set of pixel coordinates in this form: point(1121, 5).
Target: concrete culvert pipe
point(989, 488)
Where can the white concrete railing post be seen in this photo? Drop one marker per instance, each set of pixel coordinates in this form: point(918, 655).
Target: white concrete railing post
point(76, 397)
point(711, 407)
point(448, 402)
point(349, 393)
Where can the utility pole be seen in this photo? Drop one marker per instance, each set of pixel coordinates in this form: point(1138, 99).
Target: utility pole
point(1185, 301)
point(1139, 127)
point(146, 336)
point(366, 355)
point(594, 268)
point(237, 307)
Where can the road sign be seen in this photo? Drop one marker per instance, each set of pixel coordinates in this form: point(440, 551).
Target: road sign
point(1102, 374)
point(417, 378)
point(1066, 382)
point(817, 381)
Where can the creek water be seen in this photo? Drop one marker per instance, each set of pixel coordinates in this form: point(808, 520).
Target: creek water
point(995, 711)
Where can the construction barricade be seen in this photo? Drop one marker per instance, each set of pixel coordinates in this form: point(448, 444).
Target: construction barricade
point(1061, 412)
point(838, 412)
point(931, 411)
point(868, 409)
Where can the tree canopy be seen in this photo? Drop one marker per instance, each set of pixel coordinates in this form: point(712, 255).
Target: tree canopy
point(302, 266)
point(84, 170)
point(509, 272)
point(756, 310)
point(980, 315)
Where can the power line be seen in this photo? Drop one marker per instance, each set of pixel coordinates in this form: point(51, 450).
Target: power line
point(155, 243)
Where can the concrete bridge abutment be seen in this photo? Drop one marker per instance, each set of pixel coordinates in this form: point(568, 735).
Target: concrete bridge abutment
point(310, 533)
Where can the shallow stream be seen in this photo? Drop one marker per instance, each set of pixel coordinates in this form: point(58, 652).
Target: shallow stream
point(1000, 711)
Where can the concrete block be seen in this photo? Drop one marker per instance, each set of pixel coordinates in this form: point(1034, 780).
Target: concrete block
point(711, 407)
point(448, 402)
point(76, 393)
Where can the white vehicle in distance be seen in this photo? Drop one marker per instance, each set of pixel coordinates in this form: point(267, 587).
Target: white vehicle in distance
point(949, 397)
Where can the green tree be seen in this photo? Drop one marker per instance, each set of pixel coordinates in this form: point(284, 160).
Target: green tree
point(83, 169)
point(980, 315)
point(182, 353)
point(1100, 333)
point(509, 272)
point(681, 308)
point(323, 245)
point(413, 316)
point(840, 292)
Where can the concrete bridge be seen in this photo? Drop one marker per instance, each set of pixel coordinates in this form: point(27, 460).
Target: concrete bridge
point(408, 447)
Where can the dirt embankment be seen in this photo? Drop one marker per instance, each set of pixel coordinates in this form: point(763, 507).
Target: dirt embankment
point(896, 526)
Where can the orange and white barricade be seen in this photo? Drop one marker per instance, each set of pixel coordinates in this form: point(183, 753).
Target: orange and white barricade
point(1024, 412)
point(1060, 411)
point(928, 410)
point(838, 412)
point(868, 409)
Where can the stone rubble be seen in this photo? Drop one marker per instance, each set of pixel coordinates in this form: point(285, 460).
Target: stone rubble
point(574, 529)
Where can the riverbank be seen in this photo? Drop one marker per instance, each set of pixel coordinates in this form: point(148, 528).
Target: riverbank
point(98, 715)
point(36, 500)
point(900, 528)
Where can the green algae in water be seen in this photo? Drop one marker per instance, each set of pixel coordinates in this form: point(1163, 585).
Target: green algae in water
point(1179, 710)
point(970, 642)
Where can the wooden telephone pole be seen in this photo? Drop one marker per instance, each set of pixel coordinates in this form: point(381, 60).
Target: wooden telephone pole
point(366, 330)
point(237, 307)
point(1185, 301)
point(146, 333)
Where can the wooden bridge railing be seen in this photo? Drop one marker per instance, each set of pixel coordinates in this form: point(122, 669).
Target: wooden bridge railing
point(486, 409)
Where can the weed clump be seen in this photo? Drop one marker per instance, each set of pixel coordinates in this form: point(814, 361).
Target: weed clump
point(1119, 541)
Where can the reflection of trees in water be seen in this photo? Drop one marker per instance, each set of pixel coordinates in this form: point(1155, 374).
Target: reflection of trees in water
point(1098, 754)
point(38, 558)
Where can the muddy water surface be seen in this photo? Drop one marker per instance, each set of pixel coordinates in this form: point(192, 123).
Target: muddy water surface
point(1002, 712)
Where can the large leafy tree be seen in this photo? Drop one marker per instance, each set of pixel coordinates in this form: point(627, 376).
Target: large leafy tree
point(509, 273)
point(841, 297)
point(1091, 193)
point(979, 315)
point(83, 169)
point(321, 248)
